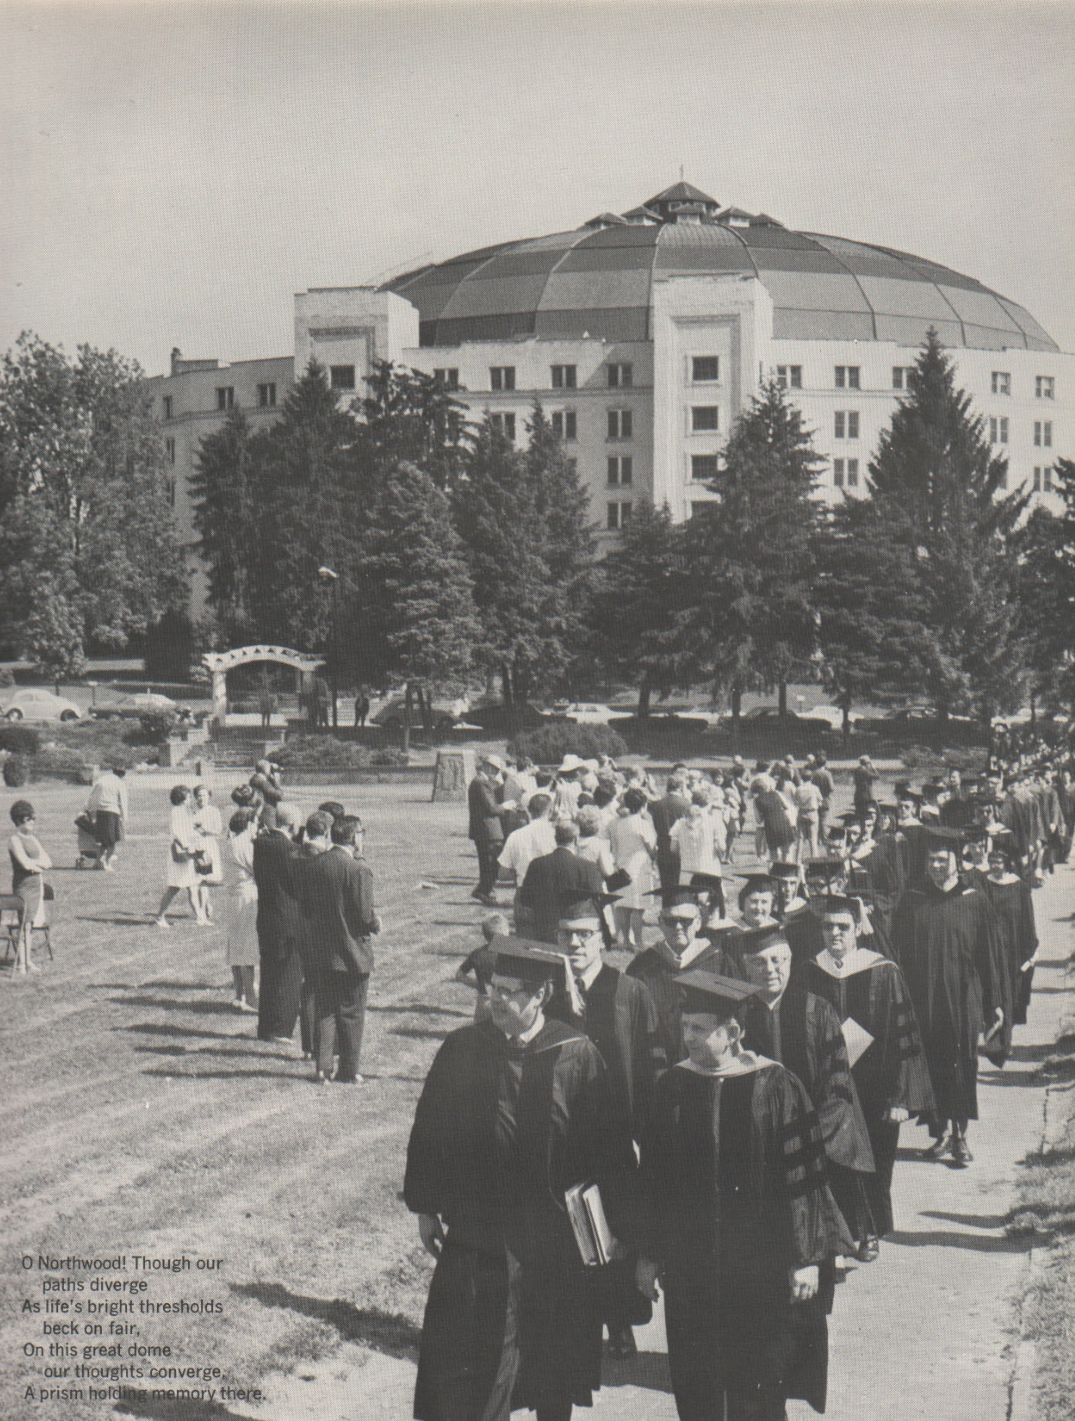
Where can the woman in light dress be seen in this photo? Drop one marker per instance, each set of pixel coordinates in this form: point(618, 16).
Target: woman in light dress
point(184, 845)
point(28, 864)
point(241, 910)
point(633, 841)
point(208, 867)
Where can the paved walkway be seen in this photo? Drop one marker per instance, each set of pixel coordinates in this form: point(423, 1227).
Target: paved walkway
point(924, 1334)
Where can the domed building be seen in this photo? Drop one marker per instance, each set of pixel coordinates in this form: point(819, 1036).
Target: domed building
point(645, 333)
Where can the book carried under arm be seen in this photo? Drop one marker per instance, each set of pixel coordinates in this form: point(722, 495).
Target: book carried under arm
point(596, 1242)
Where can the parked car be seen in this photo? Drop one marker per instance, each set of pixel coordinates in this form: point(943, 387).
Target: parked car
point(133, 707)
point(833, 716)
point(390, 716)
point(586, 713)
point(35, 703)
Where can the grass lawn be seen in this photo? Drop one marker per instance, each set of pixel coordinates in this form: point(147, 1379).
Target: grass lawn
point(141, 1117)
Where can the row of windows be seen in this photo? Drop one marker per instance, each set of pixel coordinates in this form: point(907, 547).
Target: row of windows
point(848, 377)
point(620, 376)
point(1043, 432)
point(565, 424)
point(225, 394)
point(1044, 385)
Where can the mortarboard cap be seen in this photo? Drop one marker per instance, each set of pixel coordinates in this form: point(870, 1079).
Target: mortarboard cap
point(576, 906)
point(702, 991)
point(851, 816)
point(753, 940)
point(822, 869)
point(705, 883)
point(682, 896)
point(837, 903)
point(477, 968)
point(946, 836)
point(532, 962)
point(760, 878)
point(784, 870)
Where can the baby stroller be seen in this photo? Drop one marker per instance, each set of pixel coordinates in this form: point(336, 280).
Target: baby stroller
point(90, 848)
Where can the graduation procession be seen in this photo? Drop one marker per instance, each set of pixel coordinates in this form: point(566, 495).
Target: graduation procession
point(712, 1017)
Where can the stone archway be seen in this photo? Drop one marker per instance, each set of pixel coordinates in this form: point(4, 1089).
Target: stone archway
point(218, 663)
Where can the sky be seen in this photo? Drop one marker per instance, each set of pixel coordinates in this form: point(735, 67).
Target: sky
point(172, 173)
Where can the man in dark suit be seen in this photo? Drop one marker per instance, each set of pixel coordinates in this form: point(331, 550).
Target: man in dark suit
point(279, 926)
point(485, 827)
point(664, 813)
point(337, 902)
point(550, 880)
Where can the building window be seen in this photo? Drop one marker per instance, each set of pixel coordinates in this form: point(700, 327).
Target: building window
point(1002, 382)
point(620, 471)
point(620, 424)
point(564, 377)
point(705, 368)
point(448, 378)
point(998, 430)
point(619, 515)
point(342, 377)
point(620, 377)
point(847, 377)
point(1043, 434)
point(502, 377)
point(703, 467)
point(169, 492)
point(846, 424)
point(167, 403)
point(564, 424)
point(838, 472)
point(1037, 478)
point(169, 445)
point(1047, 478)
point(705, 417)
point(789, 377)
point(852, 473)
point(901, 377)
point(505, 423)
point(1044, 387)
point(266, 396)
point(225, 397)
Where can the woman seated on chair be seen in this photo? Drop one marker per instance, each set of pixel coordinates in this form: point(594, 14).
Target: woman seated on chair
point(28, 864)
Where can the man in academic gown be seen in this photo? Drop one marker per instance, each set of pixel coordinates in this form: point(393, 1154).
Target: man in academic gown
point(802, 928)
point(681, 945)
point(944, 938)
point(618, 1015)
point(869, 996)
point(790, 1024)
point(742, 1225)
point(1013, 911)
point(515, 1110)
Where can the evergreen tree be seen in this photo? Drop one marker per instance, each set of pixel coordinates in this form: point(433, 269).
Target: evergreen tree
point(642, 589)
point(939, 492)
point(225, 499)
point(750, 555)
point(411, 416)
point(418, 621)
point(494, 515)
point(88, 555)
point(1046, 595)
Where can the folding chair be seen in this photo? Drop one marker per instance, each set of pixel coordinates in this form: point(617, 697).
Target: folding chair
point(11, 911)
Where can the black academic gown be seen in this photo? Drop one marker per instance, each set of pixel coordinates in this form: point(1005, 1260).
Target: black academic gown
point(734, 1178)
point(1013, 911)
point(891, 1071)
point(500, 1132)
point(947, 946)
point(653, 969)
point(886, 876)
point(803, 1033)
point(619, 1017)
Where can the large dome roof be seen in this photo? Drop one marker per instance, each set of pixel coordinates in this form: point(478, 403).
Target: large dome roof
point(597, 280)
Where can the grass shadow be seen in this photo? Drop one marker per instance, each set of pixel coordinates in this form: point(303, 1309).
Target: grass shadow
point(949, 1239)
point(419, 1009)
point(304, 1077)
point(161, 1409)
point(391, 1334)
point(194, 1007)
point(419, 1033)
point(974, 1221)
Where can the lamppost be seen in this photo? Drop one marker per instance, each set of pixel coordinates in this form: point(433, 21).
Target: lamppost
point(326, 574)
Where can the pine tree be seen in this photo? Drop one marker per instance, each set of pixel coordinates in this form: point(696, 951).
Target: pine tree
point(418, 621)
point(1046, 595)
point(939, 492)
point(750, 554)
point(411, 416)
point(642, 588)
point(224, 495)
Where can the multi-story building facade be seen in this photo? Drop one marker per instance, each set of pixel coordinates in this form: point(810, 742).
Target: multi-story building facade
point(644, 335)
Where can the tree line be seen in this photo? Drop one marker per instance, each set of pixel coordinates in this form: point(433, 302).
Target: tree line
point(457, 554)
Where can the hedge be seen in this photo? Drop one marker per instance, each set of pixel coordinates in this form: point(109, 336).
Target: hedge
point(19, 739)
point(552, 742)
point(325, 752)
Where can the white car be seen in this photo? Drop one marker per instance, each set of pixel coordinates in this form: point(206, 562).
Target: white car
point(35, 703)
point(833, 714)
point(587, 713)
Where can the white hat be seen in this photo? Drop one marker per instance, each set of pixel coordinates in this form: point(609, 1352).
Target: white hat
point(571, 762)
point(494, 760)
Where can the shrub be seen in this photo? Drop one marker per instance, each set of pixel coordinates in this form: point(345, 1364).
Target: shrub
point(153, 728)
point(63, 762)
point(16, 771)
point(552, 742)
point(19, 739)
point(7, 677)
point(325, 752)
